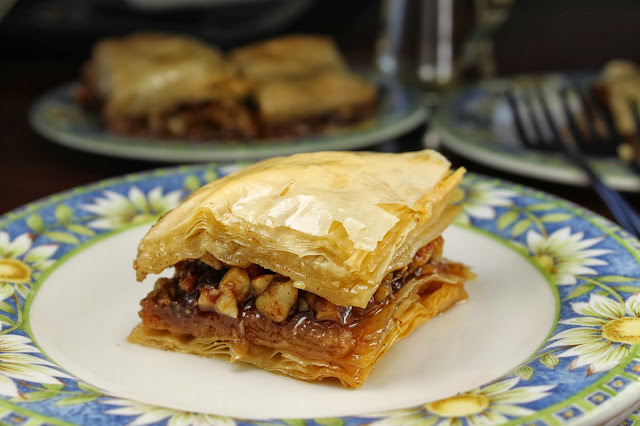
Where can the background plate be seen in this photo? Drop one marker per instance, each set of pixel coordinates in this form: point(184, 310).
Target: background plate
point(58, 117)
point(547, 336)
point(475, 123)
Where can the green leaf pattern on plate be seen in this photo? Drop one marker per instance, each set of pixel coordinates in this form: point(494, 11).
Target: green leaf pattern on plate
point(115, 210)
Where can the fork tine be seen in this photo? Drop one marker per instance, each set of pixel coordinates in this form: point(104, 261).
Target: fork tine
point(512, 101)
point(574, 130)
point(591, 141)
point(620, 209)
point(542, 142)
point(587, 106)
point(556, 138)
point(603, 111)
point(523, 111)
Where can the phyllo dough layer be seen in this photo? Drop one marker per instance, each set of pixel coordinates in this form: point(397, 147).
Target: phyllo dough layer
point(149, 73)
point(287, 57)
point(209, 312)
point(338, 97)
point(162, 85)
point(334, 222)
point(303, 85)
point(311, 266)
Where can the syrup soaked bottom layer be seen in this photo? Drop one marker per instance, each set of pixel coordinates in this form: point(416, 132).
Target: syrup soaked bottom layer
point(257, 316)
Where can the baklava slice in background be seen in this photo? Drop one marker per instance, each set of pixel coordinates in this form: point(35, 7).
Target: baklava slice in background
point(618, 86)
point(310, 266)
point(288, 57)
point(167, 86)
point(303, 85)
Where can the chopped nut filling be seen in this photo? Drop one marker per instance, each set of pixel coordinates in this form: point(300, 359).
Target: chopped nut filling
point(259, 306)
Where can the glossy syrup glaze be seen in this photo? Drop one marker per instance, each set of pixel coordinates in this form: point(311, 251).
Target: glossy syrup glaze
point(314, 327)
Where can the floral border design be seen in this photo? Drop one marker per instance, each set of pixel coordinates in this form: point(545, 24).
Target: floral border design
point(589, 360)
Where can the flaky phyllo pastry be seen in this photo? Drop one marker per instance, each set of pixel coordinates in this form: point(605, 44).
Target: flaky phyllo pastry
point(311, 266)
point(166, 85)
point(158, 84)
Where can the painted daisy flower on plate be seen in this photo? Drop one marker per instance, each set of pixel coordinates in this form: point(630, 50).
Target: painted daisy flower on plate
point(479, 199)
point(149, 414)
point(20, 262)
point(566, 255)
point(17, 364)
point(492, 404)
point(603, 333)
point(115, 210)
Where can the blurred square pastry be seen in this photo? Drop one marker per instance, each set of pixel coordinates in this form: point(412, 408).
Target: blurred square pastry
point(303, 85)
point(617, 85)
point(314, 104)
point(620, 84)
point(287, 57)
point(310, 266)
point(175, 86)
point(166, 85)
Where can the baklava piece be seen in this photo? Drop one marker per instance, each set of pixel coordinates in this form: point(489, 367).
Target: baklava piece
point(311, 266)
point(303, 86)
point(617, 86)
point(316, 104)
point(177, 87)
point(168, 86)
point(287, 57)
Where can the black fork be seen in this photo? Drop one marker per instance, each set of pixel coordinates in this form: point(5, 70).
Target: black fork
point(591, 140)
point(592, 127)
point(569, 145)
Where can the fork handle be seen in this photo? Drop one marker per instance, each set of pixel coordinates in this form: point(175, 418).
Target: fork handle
point(619, 207)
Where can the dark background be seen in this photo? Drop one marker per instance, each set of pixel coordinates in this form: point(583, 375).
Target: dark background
point(539, 34)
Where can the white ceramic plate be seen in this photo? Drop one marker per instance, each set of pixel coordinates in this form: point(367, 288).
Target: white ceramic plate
point(58, 117)
point(547, 336)
point(476, 123)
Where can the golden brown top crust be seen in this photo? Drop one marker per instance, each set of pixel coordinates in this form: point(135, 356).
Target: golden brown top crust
point(287, 57)
point(288, 79)
point(146, 72)
point(336, 222)
point(301, 76)
point(282, 101)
